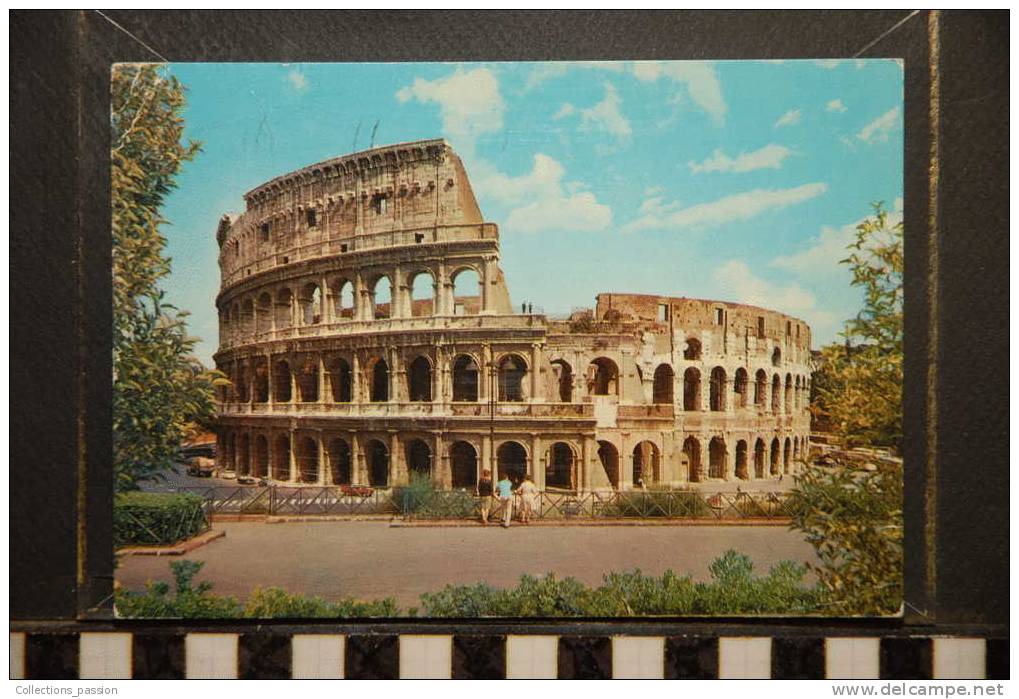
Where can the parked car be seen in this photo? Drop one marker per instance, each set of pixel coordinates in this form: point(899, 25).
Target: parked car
point(228, 474)
point(246, 480)
point(201, 466)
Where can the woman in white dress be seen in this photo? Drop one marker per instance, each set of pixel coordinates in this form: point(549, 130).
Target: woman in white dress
point(529, 495)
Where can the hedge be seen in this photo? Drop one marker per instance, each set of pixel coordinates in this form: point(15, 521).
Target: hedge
point(157, 519)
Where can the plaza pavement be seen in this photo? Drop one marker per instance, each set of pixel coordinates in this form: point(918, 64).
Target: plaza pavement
point(370, 560)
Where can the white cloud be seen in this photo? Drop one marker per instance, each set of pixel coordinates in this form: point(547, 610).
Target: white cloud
point(836, 106)
point(469, 103)
point(551, 70)
point(877, 131)
point(828, 63)
point(735, 207)
point(564, 111)
point(699, 78)
point(789, 118)
point(770, 156)
point(540, 201)
point(606, 116)
point(297, 80)
point(737, 282)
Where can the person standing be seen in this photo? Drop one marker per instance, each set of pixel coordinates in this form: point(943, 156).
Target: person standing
point(505, 492)
point(485, 494)
point(528, 493)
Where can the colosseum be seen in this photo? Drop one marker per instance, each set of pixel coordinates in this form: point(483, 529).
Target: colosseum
point(368, 334)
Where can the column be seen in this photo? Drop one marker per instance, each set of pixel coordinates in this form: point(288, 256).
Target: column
point(355, 379)
point(536, 396)
point(293, 383)
point(625, 463)
point(485, 375)
point(397, 375)
point(729, 470)
point(587, 453)
point(293, 458)
point(322, 465)
point(487, 459)
point(442, 476)
point(488, 277)
point(321, 380)
point(397, 472)
point(442, 308)
point(249, 369)
point(326, 311)
point(269, 378)
point(399, 295)
point(438, 367)
point(357, 474)
point(537, 462)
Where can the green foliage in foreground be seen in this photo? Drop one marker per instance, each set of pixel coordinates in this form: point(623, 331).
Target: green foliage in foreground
point(733, 589)
point(157, 519)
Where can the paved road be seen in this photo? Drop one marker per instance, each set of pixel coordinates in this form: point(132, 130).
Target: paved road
point(371, 559)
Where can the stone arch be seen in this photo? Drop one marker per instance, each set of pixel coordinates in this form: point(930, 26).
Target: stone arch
point(776, 357)
point(512, 371)
point(716, 458)
point(776, 394)
point(377, 455)
point(692, 349)
point(716, 394)
point(379, 392)
point(561, 468)
point(511, 460)
point(740, 388)
point(247, 317)
point(647, 463)
point(310, 304)
point(603, 377)
point(692, 389)
point(242, 459)
point(466, 283)
point(307, 460)
point(381, 296)
point(787, 455)
point(260, 380)
point(419, 379)
point(340, 461)
point(421, 287)
point(466, 379)
point(608, 455)
point(463, 459)
point(281, 458)
point(662, 391)
point(692, 452)
point(776, 455)
point(281, 382)
point(343, 299)
point(340, 380)
point(260, 462)
point(742, 472)
point(419, 458)
point(564, 379)
point(307, 381)
point(759, 458)
point(283, 311)
point(263, 313)
point(761, 388)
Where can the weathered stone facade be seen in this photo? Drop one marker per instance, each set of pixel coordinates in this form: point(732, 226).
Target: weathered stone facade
point(335, 384)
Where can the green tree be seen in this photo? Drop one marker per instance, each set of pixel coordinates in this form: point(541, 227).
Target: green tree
point(859, 383)
point(160, 391)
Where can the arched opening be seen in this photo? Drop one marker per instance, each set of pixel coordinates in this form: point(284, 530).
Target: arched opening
point(248, 317)
point(512, 370)
point(776, 393)
point(717, 389)
point(646, 464)
point(564, 380)
point(776, 357)
point(263, 313)
point(307, 381)
point(691, 389)
point(511, 459)
point(281, 382)
point(281, 458)
point(382, 298)
point(378, 464)
point(419, 459)
point(241, 383)
point(422, 294)
point(260, 465)
point(464, 464)
point(465, 379)
point(419, 380)
point(692, 350)
point(229, 452)
point(380, 382)
point(311, 304)
point(608, 455)
point(759, 459)
point(741, 460)
point(284, 309)
point(466, 291)
point(340, 380)
point(716, 458)
point(761, 388)
point(662, 390)
point(739, 388)
point(787, 455)
point(307, 460)
point(776, 455)
point(692, 455)
point(343, 299)
point(797, 394)
point(559, 472)
point(340, 462)
point(261, 380)
point(603, 377)
point(243, 460)
point(789, 393)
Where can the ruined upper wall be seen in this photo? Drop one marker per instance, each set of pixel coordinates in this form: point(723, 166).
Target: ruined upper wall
point(739, 320)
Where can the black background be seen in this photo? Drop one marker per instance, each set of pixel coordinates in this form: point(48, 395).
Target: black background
point(956, 271)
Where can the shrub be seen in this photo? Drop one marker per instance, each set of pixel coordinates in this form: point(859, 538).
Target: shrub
point(157, 519)
point(658, 503)
point(419, 498)
point(189, 601)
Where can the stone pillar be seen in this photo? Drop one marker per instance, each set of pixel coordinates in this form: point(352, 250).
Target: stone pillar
point(588, 454)
point(536, 396)
point(397, 376)
point(357, 469)
point(729, 469)
point(485, 387)
point(293, 458)
point(625, 463)
point(269, 379)
point(397, 468)
point(321, 379)
point(488, 278)
point(326, 310)
point(537, 470)
point(293, 382)
point(270, 439)
point(438, 366)
point(399, 295)
point(487, 457)
point(442, 476)
point(322, 465)
point(439, 291)
point(249, 369)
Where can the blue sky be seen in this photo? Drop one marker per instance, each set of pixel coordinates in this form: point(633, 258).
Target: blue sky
point(732, 180)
